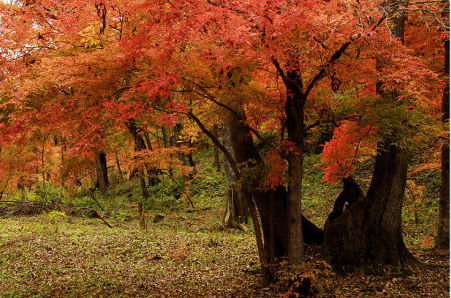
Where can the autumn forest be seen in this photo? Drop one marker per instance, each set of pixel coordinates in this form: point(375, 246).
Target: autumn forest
point(276, 148)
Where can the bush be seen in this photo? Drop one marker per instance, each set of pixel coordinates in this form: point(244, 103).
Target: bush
point(306, 279)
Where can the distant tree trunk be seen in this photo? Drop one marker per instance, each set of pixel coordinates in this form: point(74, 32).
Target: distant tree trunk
point(101, 171)
point(369, 232)
point(191, 160)
point(139, 145)
point(43, 160)
point(152, 174)
point(147, 138)
point(174, 140)
point(63, 176)
point(119, 166)
point(442, 240)
point(190, 155)
point(216, 149)
point(326, 134)
point(164, 132)
point(142, 216)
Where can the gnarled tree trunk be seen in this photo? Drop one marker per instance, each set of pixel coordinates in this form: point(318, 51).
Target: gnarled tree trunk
point(369, 232)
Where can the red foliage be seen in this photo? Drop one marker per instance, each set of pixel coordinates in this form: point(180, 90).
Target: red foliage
point(342, 152)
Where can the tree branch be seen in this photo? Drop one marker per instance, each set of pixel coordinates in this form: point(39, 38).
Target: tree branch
point(280, 70)
point(317, 123)
point(216, 142)
point(335, 56)
point(235, 113)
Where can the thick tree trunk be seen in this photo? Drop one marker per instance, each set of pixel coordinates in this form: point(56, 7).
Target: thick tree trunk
point(387, 189)
point(369, 232)
point(236, 209)
point(442, 240)
point(294, 110)
point(272, 204)
point(101, 171)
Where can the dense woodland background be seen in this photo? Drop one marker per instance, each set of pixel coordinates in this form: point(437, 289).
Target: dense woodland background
point(219, 148)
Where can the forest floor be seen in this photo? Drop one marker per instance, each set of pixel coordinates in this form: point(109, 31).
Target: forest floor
point(187, 254)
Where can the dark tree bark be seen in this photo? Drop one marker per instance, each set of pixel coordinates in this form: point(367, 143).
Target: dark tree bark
point(442, 240)
point(101, 171)
point(294, 111)
point(273, 215)
point(369, 232)
point(351, 194)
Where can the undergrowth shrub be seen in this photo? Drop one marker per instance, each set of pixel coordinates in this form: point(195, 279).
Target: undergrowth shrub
point(306, 279)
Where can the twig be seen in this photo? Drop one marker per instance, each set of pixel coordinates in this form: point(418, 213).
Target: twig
point(95, 200)
point(181, 188)
point(103, 219)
